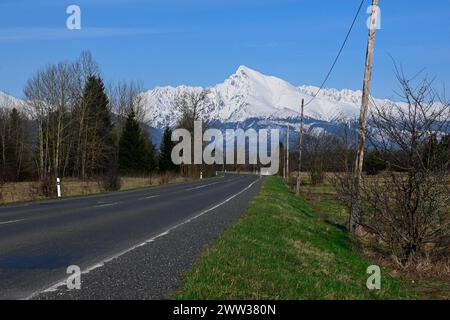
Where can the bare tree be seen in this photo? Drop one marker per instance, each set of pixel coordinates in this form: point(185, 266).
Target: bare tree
point(408, 206)
point(84, 68)
point(51, 95)
point(69, 116)
point(126, 97)
point(320, 152)
point(192, 107)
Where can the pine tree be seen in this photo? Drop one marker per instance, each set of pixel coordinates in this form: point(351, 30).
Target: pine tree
point(444, 151)
point(136, 151)
point(165, 156)
point(13, 139)
point(16, 143)
point(150, 159)
point(374, 163)
point(95, 144)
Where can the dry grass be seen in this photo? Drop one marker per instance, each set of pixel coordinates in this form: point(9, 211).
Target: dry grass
point(29, 191)
point(19, 192)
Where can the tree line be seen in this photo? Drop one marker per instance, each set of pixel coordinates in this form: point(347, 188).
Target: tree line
point(72, 125)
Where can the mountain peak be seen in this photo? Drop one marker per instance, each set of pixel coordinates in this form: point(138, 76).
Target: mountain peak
point(247, 94)
point(246, 71)
point(243, 68)
point(8, 101)
point(250, 94)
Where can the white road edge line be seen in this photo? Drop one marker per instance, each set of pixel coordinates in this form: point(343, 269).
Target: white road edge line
point(12, 221)
point(61, 283)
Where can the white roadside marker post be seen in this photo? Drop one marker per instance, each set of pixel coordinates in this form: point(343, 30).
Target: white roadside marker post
point(201, 175)
point(58, 187)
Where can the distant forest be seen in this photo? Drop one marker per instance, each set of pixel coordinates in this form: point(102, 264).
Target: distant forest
point(74, 126)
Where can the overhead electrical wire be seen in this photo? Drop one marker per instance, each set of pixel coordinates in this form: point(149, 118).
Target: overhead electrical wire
point(338, 55)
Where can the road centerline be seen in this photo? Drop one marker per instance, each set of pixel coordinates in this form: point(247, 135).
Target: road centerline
point(11, 221)
point(104, 205)
point(203, 186)
point(150, 197)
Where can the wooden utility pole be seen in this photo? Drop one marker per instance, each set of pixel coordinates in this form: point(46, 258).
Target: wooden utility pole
point(355, 211)
point(287, 152)
point(300, 146)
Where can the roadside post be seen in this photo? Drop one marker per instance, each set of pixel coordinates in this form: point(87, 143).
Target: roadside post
point(58, 187)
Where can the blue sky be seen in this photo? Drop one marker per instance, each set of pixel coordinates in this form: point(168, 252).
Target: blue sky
point(202, 42)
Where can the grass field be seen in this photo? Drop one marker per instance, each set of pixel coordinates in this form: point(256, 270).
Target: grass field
point(280, 249)
point(323, 202)
point(28, 191)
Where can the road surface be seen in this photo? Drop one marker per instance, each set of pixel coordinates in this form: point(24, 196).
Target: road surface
point(129, 245)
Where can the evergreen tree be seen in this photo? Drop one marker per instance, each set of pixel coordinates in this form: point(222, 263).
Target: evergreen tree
point(136, 151)
point(98, 106)
point(14, 159)
point(165, 156)
point(443, 150)
point(374, 163)
point(150, 159)
point(16, 143)
point(95, 145)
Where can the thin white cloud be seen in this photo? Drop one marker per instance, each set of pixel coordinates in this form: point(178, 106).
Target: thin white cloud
point(31, 34)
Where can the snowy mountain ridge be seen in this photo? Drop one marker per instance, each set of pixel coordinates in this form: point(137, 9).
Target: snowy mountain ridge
point(250, 94)
point(246, 95)
point(9, 102)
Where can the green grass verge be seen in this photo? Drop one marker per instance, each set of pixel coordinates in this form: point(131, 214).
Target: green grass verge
point(280, 250)
point(322, 201)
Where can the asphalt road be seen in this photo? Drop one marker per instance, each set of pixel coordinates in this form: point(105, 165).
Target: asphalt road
point(129, 245)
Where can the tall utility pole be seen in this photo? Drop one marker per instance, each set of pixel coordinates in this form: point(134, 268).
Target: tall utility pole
point(300, 146)
point(287, 152)
point(355, 211)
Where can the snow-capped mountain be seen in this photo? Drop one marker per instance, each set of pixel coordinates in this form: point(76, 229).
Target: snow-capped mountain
point(10, 102)
point(248, 94)
point(249, 99)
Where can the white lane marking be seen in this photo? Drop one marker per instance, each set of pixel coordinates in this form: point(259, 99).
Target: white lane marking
point(106, 205)
point(61, 283)
point(150, 197)
point(200, 187)
point(10, 222)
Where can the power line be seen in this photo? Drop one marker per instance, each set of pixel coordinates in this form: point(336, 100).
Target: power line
point(338, 55)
